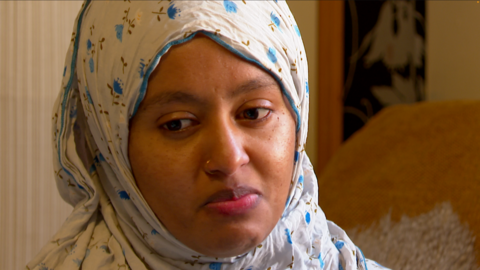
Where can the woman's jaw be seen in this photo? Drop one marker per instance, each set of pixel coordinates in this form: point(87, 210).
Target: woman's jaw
point(212, 149)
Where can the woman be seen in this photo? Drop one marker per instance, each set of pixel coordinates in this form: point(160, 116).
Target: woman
point(179, 140)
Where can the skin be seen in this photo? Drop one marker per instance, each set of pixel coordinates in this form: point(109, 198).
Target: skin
point(212, 122)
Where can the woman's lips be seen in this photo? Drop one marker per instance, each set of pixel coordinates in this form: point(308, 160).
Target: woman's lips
point(233, 201)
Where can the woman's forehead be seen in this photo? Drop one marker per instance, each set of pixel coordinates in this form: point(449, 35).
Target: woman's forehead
point(192, 69)
point(202, 53)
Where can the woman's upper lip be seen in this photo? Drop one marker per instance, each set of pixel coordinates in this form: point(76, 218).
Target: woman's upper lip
point(231, 194)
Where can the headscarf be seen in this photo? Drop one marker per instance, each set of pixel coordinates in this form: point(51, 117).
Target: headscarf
point(114, 48)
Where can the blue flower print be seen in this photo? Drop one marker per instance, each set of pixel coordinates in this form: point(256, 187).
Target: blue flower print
point(360, 259)
point(117, 86)
point(88, 96)
point(288, 201)
point(154, 232)
point(307, 87)
point(72, 251)
point(89, 45)
point(300, 179)
point(73, 113)
point(272, 55)
point(322, 263)
point(105, 248)
point(307, 217)
point(289, 237)
point(92, 169)
point(339, 244)
point(123, 195)
point(64, 71)
point(90, 64)
point(297, 30)
point(141, 68)
point(43, 267)
point(275, 19)
point(296, 155)
point(119, 30)
point(340, 267)
point(215, 266)
point(230, 6)
point(173, 12)
point(78, 262)
point(101, 157)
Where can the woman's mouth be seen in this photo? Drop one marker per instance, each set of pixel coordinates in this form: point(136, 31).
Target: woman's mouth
point(235, 201)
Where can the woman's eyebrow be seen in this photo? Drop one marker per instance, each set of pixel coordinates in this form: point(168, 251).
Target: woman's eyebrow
point(254, 84)
point(185, 97)
point(173, 97)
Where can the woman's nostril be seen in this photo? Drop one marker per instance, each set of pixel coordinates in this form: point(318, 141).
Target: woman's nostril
point(226, 158)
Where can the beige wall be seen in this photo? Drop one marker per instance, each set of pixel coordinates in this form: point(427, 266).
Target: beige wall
point(453, 50)
point(305, 13)
point(35, 37)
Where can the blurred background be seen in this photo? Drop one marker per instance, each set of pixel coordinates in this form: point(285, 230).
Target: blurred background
point(363, 56)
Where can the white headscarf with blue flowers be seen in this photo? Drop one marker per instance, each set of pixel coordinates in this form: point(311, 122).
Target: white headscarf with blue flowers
point(114, 48)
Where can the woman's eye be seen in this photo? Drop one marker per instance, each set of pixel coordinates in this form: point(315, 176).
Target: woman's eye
point(255, 113)
point(178, 124)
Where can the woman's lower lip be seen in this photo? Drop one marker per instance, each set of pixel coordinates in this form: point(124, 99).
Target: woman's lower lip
point(235, 207)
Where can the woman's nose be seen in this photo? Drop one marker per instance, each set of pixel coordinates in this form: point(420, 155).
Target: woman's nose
point(225, 151)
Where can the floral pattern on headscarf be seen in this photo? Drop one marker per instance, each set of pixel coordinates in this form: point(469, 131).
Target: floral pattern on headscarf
point(114, 48)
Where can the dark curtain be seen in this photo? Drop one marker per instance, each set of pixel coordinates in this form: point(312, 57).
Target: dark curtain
point(384, 58)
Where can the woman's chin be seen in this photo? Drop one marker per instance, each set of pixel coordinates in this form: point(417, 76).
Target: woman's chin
point(228, 229)
point(228, 239)
point(234, 235)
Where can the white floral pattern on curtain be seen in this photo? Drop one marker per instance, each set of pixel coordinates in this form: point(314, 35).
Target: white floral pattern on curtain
point(384, 58)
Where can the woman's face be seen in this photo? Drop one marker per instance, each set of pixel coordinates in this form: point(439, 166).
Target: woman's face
point(212, 148)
